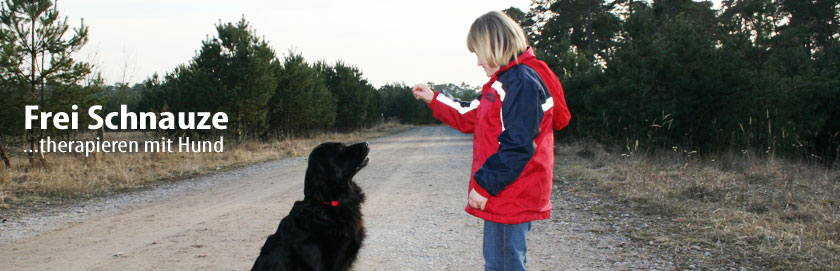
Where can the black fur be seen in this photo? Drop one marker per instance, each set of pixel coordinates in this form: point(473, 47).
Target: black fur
point(316, 235)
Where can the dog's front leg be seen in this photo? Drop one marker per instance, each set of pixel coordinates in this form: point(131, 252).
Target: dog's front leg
point(311, 256)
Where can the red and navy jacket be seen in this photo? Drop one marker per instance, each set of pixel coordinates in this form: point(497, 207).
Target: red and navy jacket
point(512, 122)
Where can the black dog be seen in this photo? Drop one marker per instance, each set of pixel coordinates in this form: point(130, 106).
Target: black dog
point(324, 231)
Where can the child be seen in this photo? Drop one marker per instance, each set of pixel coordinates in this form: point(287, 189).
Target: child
point(512, 121)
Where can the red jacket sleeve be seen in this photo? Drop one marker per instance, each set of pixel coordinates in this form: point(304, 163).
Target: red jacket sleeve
point(460, 115)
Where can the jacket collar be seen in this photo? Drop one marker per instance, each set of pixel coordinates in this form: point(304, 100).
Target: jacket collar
point(524, 56)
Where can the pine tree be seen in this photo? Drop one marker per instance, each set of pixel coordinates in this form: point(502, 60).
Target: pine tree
point(301, 102)
point(38, 67)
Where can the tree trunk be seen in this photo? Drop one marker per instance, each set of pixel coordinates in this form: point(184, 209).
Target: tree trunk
point(4, 155)
point(100, 134)
point(238, 128)
point(34, 58)
point(32, 151)
point(40, 151)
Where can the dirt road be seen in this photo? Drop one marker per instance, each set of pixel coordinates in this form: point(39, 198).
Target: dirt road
point(416, 191)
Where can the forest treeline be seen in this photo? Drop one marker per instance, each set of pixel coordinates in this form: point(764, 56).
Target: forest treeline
point(269, 96)
point(754, 76)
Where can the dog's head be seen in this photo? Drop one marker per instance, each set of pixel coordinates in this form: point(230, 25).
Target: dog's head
point(332, 166)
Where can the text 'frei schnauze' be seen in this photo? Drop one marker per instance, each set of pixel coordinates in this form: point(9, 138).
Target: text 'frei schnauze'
point(125, 120)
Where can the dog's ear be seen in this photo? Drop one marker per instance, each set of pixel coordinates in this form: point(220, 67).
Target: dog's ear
point(314, 181)
point(328, 168)
point(338, 173)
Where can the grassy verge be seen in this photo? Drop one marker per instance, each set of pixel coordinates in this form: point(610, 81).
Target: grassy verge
point(761, 212)
point(70, 176)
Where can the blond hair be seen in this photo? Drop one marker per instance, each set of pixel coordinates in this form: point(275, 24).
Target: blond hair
point(496, 38)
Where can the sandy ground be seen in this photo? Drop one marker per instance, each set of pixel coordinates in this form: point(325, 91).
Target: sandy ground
point(416, 191)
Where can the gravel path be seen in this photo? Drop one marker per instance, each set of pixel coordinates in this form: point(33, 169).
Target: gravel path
point(416, 190)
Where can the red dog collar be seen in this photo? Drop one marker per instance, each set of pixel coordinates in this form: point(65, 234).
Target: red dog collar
point(330, 203)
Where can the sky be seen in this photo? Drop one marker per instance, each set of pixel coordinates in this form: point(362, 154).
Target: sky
point(389, 41)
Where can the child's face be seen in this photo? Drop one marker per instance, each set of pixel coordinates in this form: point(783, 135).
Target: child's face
point(488, 69)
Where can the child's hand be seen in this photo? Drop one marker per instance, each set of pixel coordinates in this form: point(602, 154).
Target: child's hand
point(476, 200)
point(423, 92)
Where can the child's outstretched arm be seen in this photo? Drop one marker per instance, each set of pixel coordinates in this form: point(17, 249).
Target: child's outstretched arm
point(460, 115)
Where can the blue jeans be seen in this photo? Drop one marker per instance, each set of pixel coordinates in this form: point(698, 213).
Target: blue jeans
point(504, 245)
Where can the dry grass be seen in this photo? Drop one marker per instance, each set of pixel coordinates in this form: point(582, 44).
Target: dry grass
point(72, 176)
point(775, 214)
